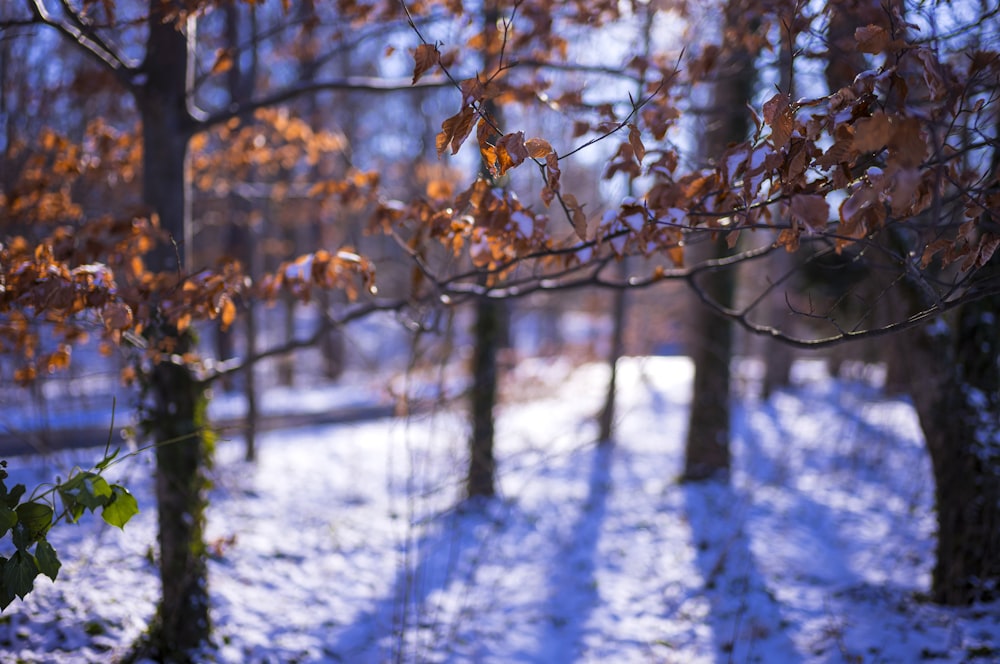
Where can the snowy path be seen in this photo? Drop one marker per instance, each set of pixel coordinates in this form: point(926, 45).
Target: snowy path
point(344, 545)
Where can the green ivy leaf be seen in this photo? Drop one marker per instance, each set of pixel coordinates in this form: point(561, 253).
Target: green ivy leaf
point(96, 492)
point(36, 518)
point(21, 537)
point(122, 507)
point(106, 461)
point(14, 495)
point(48, 561)
point(6, 596)
point(8, 519)
point(88, 490)
point(19, 573)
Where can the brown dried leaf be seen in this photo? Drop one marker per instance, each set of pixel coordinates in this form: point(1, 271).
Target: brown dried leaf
point(635, 140)
point(789, 239)
point(228, 312)
point(871, 134)
point(774, 107)
point(223, 61)
point(779, 117)
point(676, 254)
point(577, 216)
point(907, 147)
point(932, 249)
point(455, 130)
point(511, 151)
point(440, 189)
point(872, 39)
point(425, 57)
point(473, 90)
point(537, 148)
point(552, 175)
point(811, 209)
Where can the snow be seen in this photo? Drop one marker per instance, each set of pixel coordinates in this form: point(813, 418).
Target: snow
point(348, 543)
point(524, 223)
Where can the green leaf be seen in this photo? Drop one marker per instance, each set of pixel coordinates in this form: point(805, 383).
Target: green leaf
point(48, 561)
point(96, 492)
point(36, 519)
point(75, 511)
point(21, 537)
point(19, 573)
point(6, 596)
point(8, 519)
point(14, 495)
point(87, 489)
point(122, 507)
point(106, 461)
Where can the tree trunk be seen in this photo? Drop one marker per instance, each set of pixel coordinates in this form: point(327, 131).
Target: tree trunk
point(183, 452)
point(606, 418)
point(487, 332)
point(956, 391)
point(176, 415)
point(707, 448)
point(778, 357)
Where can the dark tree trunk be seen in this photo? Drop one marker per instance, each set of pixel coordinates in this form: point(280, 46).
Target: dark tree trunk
point(487, 333)
point(606, 418)
point(778, 357)
point(956, 391)
point(183, 453)
point(707, 449)
point(176, 413)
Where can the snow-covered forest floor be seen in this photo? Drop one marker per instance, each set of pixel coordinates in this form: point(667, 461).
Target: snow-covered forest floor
point(348, 543)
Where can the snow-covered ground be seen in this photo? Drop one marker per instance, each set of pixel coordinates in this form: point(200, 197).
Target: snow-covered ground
point(344, 543)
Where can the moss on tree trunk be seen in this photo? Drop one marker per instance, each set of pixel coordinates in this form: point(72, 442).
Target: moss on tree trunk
point(176, 421)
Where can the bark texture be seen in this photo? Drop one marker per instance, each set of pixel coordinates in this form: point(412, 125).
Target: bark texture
point(175, 417)
point(487, 332)
point(956, 390)
point(707, 450)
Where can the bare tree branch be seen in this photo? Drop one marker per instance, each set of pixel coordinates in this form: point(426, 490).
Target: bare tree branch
point(372, 85)
point(83, 36)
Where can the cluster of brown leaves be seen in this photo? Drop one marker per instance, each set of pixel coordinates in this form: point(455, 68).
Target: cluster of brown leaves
point(61, 281)
point(885, 145)
point(345, 271)
point(55, 179)
point(880, 151)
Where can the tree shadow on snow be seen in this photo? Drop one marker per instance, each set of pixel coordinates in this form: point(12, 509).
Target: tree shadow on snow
point(822, 542)
point(745, 617)
point(409, 618)
point(574, 592)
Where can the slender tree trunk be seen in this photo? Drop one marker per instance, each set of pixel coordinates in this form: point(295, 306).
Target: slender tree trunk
point(778, 357)
point(707, 450)
point(487, 332)
point(178, 401)
point(606, 418)
point(286, 363)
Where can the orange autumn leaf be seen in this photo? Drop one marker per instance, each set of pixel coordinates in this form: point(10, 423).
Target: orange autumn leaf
point(537, 148)
point(455, 130)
